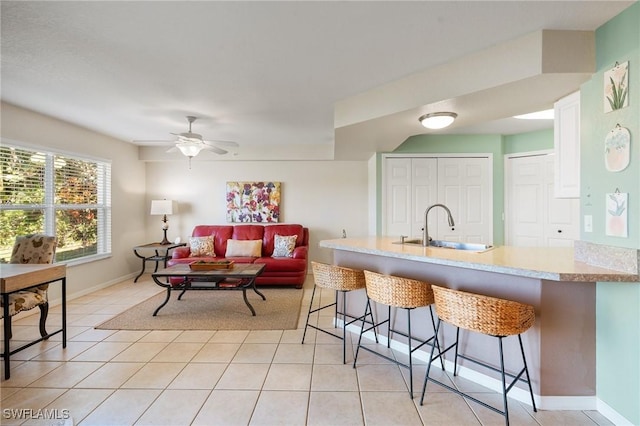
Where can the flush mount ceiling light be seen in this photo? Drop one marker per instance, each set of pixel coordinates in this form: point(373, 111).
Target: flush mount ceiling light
point(437, 120)
point(547, 114)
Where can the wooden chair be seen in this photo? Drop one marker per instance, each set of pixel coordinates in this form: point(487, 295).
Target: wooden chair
point(34, 249)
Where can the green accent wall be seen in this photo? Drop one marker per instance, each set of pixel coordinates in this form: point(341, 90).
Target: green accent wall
point(617, 304)
point(498, 145)
point(529, 142)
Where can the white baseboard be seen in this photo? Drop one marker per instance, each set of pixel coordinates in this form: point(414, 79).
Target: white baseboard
point(88, 290)
point(612, 415)
point(550, 403)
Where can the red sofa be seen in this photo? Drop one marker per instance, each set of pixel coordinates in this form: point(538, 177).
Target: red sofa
point(278, 271)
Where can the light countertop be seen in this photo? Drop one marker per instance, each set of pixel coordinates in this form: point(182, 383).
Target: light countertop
point(548, 263)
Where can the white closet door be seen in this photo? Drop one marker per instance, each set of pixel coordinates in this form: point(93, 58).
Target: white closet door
point(562, 215)
point(465, 185)
point(534, 217)
point(398, 206)
point(524, 203)
point(424, 173)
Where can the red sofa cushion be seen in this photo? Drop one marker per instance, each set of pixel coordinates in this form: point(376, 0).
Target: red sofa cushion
point(248, 232)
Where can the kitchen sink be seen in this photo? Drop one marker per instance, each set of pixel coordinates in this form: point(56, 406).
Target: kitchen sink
point(453, 245)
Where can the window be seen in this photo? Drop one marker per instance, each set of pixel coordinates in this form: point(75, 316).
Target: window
point(56, 194)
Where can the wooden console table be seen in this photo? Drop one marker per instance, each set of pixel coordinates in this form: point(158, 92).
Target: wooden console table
point(17, 277)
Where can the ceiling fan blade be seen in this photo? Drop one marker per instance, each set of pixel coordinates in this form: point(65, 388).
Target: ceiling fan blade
point(174, 149)
point(215, 149)
point(152, 142)
point(230, 144)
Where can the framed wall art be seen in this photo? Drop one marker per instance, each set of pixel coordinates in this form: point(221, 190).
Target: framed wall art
point(253, 202)
point(616, 87)
point(616, 214)
point(617, 149)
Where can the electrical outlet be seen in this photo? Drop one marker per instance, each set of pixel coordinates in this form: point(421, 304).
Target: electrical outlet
point(588, 223)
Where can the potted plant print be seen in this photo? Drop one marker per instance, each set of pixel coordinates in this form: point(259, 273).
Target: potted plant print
point(616, 87)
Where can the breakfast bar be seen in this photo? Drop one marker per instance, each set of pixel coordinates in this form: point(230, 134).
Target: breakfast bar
point(558, 282)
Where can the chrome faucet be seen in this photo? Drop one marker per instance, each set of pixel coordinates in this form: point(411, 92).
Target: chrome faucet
point(425, 235)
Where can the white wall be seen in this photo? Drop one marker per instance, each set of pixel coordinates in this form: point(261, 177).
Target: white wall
point(127, 183)
point(325, 196)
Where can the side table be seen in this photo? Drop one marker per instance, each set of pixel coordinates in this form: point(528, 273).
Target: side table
point(161, 254)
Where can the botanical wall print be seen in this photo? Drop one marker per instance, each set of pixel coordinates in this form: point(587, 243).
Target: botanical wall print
point(253, 201)
point(616, 149)
point(616, 215)
point(616, 87)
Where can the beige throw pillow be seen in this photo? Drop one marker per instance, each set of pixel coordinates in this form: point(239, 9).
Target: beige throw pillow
point(244, 248)
point(202, 246)
point(283, 245)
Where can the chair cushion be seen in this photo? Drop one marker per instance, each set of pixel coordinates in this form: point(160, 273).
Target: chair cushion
point(23, 301)
point(34, 249)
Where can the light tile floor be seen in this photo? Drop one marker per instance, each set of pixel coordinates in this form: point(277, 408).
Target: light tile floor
point(107, 377)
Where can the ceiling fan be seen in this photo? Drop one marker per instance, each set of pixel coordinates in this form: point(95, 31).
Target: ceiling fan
point(190, 144)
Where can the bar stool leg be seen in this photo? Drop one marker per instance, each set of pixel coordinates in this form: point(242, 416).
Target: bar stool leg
point(313, 295)
point(504, 381)
point(389, 329)
point(433, 349)
point(335, 311)
point(367, 310)
point(455, 359)
point(435, 336)
point(344, 326)
point(526, 371)
point(410, 357)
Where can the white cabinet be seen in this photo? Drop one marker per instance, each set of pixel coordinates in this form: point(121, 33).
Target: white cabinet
point(566, 134)
point(464, 184)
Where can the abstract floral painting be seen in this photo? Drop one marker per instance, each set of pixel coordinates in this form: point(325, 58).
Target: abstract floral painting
point(253, 201)
point(616, 87)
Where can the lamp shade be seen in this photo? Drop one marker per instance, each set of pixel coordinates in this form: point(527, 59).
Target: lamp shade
point(437, 120)
point(159, 207)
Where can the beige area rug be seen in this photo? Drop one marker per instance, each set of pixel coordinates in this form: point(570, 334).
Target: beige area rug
point(213, 310)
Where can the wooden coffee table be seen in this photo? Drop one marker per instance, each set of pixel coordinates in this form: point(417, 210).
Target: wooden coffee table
point(240, 277)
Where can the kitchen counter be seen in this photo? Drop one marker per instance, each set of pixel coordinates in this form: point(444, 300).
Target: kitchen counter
point(549, 263)
point(560, 347)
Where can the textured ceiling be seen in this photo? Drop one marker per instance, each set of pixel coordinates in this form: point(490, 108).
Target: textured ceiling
point(264, 74)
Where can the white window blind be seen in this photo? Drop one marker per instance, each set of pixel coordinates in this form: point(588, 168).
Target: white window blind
point(57, 194)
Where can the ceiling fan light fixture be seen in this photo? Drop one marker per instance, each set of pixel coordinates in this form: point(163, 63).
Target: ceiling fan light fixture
point(437, 120)
point(189, 149)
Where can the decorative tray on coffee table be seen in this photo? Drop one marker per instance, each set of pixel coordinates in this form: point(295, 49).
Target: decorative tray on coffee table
point(200, 265)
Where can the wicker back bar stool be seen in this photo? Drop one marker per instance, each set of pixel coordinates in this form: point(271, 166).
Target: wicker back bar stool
point(397, 292)
point(486, 315)
point(342, 280)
